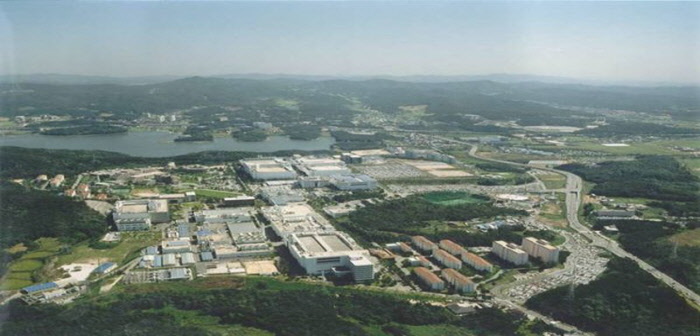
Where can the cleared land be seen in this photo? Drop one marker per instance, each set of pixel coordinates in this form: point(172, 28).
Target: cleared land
point(687, 238)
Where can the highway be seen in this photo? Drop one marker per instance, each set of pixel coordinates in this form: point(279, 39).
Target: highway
point(574, 186)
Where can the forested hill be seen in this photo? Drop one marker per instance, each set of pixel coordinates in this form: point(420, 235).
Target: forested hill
point(19, 162)
point(530, 103)
point(648, 176)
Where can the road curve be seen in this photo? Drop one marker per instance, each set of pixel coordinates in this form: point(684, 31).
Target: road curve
point(574, 186)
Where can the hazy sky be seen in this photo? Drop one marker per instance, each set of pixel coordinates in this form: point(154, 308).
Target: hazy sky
point(594, 40)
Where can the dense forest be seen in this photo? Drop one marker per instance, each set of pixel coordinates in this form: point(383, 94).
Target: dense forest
point(86, 130)
point(337, 102)
point(26, 215)
point(280, 308)
point(397, 219)
point(649, 241)
point(18, 162)
point(624, 300)
point(649, 176)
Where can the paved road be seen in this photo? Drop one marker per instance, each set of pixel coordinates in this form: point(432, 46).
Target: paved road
point(574, 185)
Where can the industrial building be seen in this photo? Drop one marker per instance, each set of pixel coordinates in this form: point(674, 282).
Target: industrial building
point(239, 201)
point(224, 216)
point(424, 244)
point(176, 246)
point(134, 215)
point(281, 195)
point(268, 169)
point(312, 166)
point(105, 268)
point(353, 182)
point(540, 248)
point(458, 280)
point(295, 218)
point(476, 262)
point(429, 279)
point(330, 253)
point(509, 252)
point(446, 259)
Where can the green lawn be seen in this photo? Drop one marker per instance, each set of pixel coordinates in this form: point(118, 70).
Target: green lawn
point(687, 238)
point(130, 243)
point(21, 270)
point(452, 198)
point(553, 181)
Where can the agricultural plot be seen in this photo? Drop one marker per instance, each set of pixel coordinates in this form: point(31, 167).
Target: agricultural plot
point(23, 271)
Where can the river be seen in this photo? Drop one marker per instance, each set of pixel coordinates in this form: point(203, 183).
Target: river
point(159, 144)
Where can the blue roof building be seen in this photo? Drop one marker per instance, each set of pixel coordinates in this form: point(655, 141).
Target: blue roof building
point(39, 288)
point(105, 268)
point(207, 256)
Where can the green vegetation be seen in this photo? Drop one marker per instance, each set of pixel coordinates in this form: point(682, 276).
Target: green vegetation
point(687, 238)
point(655, 177)
point(394, 220)
point(627, 128)
point(624, 300)
point(27, 265)
point(119, 252)
point(350, 141)
point(214, 193)
point(254, 135)
point(26, 215)
point(649, 240)
point(260, 306)
point(86, 130)
point(454, 198)
point(30, 162)
point(553, 181)
point(302, 132)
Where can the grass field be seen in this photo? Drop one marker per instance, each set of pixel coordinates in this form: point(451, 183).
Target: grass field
point(553, 213)
point(553, 181)
point(130, 243)
point(452, 198)
point(687, 238)
point(22, 270)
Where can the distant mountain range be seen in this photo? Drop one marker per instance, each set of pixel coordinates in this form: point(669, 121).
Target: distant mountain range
point(500, 78)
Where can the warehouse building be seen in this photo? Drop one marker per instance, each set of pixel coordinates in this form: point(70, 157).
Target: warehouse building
point(353, 182)
point(268, 169)
point(424, 244)
point(540, 248)
point(312, 166)
point(135, 215)
point(330, 252)
point(476, 262)
point(429, 279)
point(105, 268)
point(458, 280)
point(509, 252)
point(447, 260)
point(295, 218)
point(239, 201)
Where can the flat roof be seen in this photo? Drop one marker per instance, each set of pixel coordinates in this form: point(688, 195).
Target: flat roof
point(335, 243)
point(310, 244)
point(244, 227)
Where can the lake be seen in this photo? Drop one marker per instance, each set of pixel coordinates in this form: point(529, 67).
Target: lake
point(160, 144)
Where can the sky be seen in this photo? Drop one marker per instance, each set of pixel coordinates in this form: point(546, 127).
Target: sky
point(640, 41)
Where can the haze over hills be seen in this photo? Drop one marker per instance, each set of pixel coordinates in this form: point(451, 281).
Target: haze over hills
point(52, 78)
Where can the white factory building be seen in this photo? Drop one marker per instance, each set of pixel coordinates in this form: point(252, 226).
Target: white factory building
point(509, 252)
point(330, 253)
point(295, 218)
point(313, 166)
point(540, 248)
point(268, 169)
point(353, 182)
point(135, 215)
